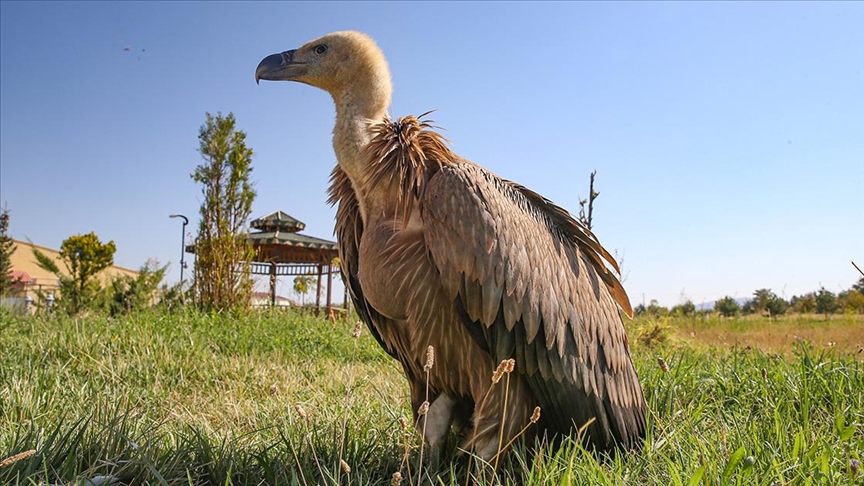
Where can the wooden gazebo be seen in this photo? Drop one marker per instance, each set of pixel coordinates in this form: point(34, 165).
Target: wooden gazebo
point(280, 250)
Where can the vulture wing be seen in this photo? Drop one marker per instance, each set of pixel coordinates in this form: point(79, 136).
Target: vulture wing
point(349, 229)
point(531, 285)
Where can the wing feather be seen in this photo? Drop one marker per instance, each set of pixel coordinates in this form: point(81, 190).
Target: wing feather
point(349, 229)
point(535, 283)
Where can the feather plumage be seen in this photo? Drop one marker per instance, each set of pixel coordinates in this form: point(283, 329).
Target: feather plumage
point(438, 251)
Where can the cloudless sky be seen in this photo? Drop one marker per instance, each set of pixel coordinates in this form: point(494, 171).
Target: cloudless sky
point(728, 138)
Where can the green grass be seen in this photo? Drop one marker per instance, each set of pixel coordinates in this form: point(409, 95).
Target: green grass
point(191, 399)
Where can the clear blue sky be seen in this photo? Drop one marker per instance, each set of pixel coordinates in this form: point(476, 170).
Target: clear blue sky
point(728, 138)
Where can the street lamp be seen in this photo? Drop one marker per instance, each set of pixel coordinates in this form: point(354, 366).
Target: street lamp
point(182, 246)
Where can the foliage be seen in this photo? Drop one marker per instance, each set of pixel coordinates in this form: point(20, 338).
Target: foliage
point(766, 302)
point(191, 398)
point(826, 302)
point(851, 301)
point(222, 280)
point(804, 304)
point(651, 333)
point(859, 286)
point(84, 256)
point(685, 309)
point(127, 294)
point(7, 247)
point(654, 309)
point(301, 286)
point(727, 307)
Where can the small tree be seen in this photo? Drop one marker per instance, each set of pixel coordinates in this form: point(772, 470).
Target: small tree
point(859, 286)
point(685, 309)
point(127, 294)
point(803, 304)
point(851, 301)
point(222, 281)
point(727, 307)
point(301, 286)
point(766, 301)
point(7, 248)
point(84, 256)
point(826, 302)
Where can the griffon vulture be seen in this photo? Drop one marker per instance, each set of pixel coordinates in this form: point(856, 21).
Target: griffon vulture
point(438, 251)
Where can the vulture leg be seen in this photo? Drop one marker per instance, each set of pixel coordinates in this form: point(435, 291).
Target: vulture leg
point(507, 406)
point(435, 425)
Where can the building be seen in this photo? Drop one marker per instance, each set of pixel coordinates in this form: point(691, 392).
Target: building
point(33, 280)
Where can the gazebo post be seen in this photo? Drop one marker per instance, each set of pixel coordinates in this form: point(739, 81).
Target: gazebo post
point(318, 293)
point(272, 284)
point(329, 289)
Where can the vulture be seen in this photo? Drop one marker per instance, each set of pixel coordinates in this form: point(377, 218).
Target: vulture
point(440, 252)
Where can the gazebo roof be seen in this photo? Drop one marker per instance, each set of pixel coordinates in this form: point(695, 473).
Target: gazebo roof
point(290, 239)
point(278, 241)
point(278, 221)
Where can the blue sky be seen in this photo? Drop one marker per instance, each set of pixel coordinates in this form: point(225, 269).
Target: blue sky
point(728, 138)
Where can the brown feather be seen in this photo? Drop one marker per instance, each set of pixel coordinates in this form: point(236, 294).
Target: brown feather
point(407, 153)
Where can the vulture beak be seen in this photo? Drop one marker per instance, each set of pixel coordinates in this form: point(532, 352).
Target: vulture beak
point(280, 67)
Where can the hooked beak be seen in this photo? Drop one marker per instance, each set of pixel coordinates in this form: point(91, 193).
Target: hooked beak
point(280, 67)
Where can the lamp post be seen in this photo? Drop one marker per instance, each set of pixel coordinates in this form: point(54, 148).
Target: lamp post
point(182, 247)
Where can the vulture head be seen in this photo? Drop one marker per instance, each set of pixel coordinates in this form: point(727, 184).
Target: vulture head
point(344, 64)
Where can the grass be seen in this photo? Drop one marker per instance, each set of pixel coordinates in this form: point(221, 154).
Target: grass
point(279, 398)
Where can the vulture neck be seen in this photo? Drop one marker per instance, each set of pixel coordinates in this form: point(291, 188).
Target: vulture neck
point(358, 106)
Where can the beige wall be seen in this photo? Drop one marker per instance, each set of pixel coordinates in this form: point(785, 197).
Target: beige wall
point(22, 260)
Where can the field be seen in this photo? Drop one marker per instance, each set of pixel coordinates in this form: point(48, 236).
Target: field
point(281, 398)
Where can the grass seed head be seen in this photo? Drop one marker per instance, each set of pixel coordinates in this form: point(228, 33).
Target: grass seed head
point(397, 479)
point(503, 368)
point(854, 465)
point(430, 359)
point(403, 424)
point(358, 328)
point(764, 374)
point(663, 365)
point(345, 467)
point(424, 408)
point(17, 457)
point(536, 415)
point(300, 411)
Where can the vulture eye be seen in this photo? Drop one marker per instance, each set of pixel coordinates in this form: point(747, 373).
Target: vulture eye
point(320, 49)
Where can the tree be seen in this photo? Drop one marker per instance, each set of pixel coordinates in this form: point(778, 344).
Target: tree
point(84, 256)
point(826, 302)
point(301, 286)
point(804, 304)
point(685, 309)
point(654, 309)
point(127, 294)
point(221, 278)
point(859, 286)
point(851, 301)
point(727, 307)
point(766, 301)
point(7, 248)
